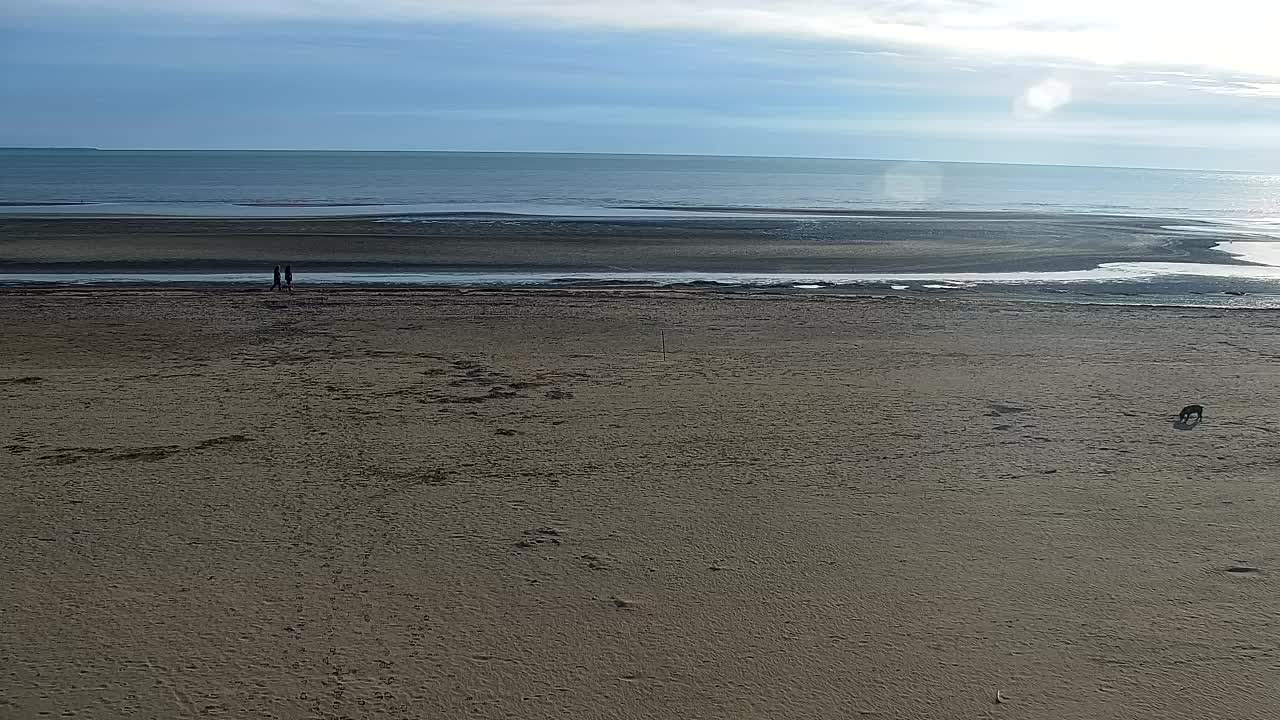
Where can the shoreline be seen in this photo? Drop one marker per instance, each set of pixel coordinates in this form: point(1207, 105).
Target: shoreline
point(1207, 301)
point(1080, 257)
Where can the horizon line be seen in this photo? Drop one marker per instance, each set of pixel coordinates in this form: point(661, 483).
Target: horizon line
point(71, 148)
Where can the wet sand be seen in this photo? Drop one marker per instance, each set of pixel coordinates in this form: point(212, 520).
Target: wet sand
point(859, 243)
point(416, 504)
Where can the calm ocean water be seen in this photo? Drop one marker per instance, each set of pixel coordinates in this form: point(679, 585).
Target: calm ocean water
point(220, 183)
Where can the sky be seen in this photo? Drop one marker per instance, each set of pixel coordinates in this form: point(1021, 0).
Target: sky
point(1089, 82)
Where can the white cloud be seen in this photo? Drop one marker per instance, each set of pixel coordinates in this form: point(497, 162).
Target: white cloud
point(1233, 35)
point(967, 127)
point(1246, 89)
point(1229, 85)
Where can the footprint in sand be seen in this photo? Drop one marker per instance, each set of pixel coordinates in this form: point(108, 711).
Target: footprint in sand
point(998, 409)
point(146, 454)
point(224, 440)
point(598, 561)
point(150, 453)
point(540, 536)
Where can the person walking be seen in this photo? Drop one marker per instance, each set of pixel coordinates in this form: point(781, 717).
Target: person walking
point(275, 283)
point(288, 277)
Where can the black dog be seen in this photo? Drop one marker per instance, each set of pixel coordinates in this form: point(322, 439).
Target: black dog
point(1188, 411)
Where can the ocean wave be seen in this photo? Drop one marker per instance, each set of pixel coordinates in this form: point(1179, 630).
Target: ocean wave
point(434, 212)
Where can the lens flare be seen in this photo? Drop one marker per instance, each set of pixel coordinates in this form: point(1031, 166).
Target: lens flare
point(1043, 98)
point(913, 183)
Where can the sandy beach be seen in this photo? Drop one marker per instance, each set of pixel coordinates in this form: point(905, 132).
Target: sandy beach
point(360, 504)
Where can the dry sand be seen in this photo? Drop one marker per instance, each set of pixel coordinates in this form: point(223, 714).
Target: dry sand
point(418, 505)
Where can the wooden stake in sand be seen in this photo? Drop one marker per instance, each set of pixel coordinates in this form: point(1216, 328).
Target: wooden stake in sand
point(663, 334)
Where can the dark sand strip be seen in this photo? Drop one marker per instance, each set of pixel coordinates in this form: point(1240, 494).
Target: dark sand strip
point(979, 242)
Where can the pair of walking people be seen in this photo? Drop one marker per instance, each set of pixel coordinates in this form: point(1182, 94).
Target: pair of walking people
point(288, 279)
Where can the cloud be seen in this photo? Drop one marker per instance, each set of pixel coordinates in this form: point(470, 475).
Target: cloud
point(964, 127)
point(1246, 89)
point(1232, 36)
point(1221, 84)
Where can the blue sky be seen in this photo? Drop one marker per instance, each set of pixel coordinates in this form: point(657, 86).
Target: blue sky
point(1090, 82)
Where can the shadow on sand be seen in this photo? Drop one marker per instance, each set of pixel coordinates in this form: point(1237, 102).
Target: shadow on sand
point(1187, 424)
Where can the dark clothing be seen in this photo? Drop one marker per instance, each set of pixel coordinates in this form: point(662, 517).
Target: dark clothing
point(275, 283)
point(288, 276)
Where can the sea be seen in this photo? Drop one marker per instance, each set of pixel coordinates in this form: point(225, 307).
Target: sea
point(1241, 208)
